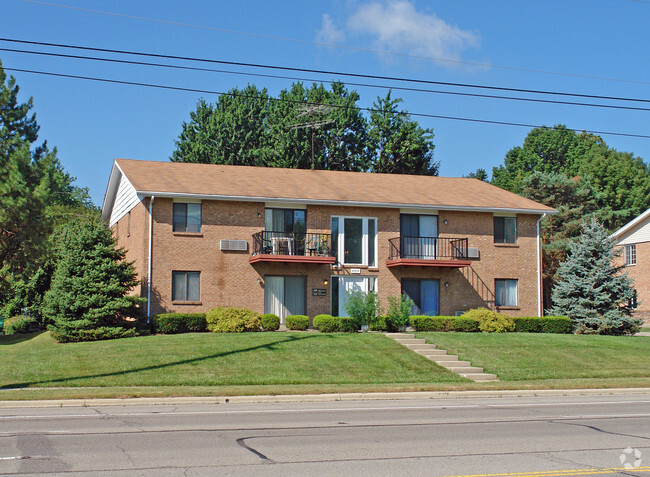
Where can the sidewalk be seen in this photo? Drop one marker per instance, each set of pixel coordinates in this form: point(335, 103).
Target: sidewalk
point(321, 397)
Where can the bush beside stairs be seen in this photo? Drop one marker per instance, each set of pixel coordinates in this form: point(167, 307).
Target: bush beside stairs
point(440, 357)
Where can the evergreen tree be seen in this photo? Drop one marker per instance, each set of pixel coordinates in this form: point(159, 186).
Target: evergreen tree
point(400, 145)
point(591, 291)
point(34, 191)
point(88, 297)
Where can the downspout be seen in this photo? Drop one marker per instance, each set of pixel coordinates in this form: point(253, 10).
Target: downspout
point(539, 268)
point(149, 261)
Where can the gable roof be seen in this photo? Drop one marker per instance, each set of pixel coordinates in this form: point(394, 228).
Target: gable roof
point(211, 181)
point(635, 226)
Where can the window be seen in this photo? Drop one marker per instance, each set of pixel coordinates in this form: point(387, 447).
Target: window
point(505, 229)
point(355, 240)
point(186, 286)
point(418, 236)
point(630, 255)
point(187, 217)
point(505, 292)
point(284, 296)
point(425, 295)
point(342, 286)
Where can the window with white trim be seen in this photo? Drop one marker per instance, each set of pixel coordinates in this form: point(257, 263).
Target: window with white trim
point(505, 229)
point(505, 292)
point(630, 255)
point(355, 240)
point(186, 286)
point(187, 217)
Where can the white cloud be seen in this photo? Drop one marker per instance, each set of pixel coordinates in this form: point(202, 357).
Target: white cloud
point(329, 33)
point(397, 26)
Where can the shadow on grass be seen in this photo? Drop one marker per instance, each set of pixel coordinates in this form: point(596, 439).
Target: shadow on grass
point(269, 346)
point(18, 338)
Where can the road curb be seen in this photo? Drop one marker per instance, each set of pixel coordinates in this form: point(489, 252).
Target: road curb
point(320, 397)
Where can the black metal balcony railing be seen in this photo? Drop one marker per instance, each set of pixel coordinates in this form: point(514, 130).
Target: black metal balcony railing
point(428, 248)
point(292, 243)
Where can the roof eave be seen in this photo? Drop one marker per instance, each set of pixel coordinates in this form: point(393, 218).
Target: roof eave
point(393, 205)
point(630, 225)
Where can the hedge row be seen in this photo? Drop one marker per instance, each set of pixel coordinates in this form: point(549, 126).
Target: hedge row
point(171, 323)
point(297, 322)
point(523, 324)
point(329, 324)
point(443, 323)
point(20, 324)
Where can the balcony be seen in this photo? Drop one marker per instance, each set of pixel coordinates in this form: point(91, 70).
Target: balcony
point(428, 252)
point(292, 247)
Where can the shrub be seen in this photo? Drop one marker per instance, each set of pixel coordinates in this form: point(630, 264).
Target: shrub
point(544, 324)
point(381, 323)
point(170, 323)
point(326, 323)
point(444, 323)
point(297, 322)
point(399, 311)
point(461, 323)
point(270, 322)
point(225, 319)
point(93, 334)
point(490, 321)
point(329, 324)
point(362, 307)
point(20, 324)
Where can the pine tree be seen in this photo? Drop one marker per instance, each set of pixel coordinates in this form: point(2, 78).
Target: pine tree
point(88, 298)
point(591, 291)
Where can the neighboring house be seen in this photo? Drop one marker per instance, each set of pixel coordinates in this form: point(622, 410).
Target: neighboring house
point(291, 241)
point(634, 240)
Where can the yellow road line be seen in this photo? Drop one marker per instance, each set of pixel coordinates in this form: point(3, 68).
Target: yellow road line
point(560, 473)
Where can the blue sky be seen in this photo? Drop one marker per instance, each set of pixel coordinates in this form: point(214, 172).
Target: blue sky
point(598, 47)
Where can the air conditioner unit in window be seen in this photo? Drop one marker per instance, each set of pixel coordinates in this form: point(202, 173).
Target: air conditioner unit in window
point(473, 252)
point(234, 245)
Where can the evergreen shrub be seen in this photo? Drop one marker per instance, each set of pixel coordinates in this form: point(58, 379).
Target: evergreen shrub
point(20, 325)
point(490, 321)
point(170, 323)
point(73, 335)
point(544, 324)
point(329, 324)
point(382, 323)
point(225, 319)
point(443, 323)
point(270, 322)
point(297, 322)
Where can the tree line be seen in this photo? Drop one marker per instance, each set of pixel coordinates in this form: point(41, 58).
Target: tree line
point(306, 127)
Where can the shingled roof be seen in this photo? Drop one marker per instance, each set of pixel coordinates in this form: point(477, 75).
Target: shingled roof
point(210, 181)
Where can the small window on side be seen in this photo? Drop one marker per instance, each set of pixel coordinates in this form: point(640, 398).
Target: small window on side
point(505, 230)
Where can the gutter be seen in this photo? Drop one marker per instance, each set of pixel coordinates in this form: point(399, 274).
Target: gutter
point(149, 261)
point(311, 201)
point(539, 269)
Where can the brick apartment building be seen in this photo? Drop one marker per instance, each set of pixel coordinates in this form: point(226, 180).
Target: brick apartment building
point(634, 239)
point(290, 241)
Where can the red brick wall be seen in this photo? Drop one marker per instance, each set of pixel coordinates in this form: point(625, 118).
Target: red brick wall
point(640, 273)
point(227, 278)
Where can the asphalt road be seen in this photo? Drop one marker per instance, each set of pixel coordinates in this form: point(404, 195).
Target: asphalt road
point(511, 437)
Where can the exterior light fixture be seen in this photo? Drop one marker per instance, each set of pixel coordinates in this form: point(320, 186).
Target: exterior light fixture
point(445, 221)
point(325, 282)
point(446, 284)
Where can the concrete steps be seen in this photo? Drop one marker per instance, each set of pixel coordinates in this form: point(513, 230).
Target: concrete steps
point(441, 358)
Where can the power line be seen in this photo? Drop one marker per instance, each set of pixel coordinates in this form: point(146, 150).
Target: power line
point(220, 93)
point(338, 46)
point(326, 72)
point(211, 70)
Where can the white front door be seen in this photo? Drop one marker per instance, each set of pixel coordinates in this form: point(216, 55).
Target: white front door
point(349, 285)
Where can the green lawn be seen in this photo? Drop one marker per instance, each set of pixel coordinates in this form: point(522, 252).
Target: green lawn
point(531, 356)
point(210, 359)
point(207, 364)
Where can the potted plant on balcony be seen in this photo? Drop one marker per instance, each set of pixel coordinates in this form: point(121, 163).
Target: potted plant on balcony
point(363, 307)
